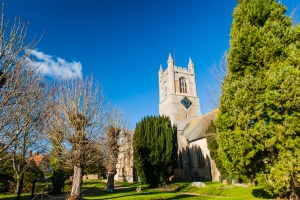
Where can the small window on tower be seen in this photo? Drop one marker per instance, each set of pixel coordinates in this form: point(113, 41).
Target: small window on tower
point(182, 82)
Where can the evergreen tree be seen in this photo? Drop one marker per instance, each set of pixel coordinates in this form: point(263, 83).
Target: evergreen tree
point(212, 144)
point(59, 174)
point(155, 149)
point(6, 175)
point(258, 123)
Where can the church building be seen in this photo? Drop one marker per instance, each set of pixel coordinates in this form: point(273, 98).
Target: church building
point(179, 101)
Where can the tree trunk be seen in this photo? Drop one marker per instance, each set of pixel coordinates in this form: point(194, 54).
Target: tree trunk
point(32, 189)
point(20, 178)
point(110, 182)
point(77, 183)
point(293, 195)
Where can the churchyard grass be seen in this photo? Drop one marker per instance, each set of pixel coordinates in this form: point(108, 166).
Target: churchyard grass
point(183, 190)
point(25, 196)
point(229, 191)
point(178, 190)
point(39, 188)
point(46, 186)
point(93, 184)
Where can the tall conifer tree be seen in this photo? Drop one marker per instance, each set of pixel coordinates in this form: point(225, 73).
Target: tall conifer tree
point(258, 123)
point(155, 149)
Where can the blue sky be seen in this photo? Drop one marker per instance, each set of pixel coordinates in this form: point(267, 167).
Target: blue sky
point(123, 42)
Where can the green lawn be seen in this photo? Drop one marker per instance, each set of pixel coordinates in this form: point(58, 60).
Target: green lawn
point(183, 190)
point(145, 194)
point(25, 196)
point(180, 190)
point(39, 187)
point(218, 189)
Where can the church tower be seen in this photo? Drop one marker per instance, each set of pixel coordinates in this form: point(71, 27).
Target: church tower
point(178, 97)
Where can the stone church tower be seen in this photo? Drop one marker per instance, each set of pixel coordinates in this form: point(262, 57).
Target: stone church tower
point(178, 97)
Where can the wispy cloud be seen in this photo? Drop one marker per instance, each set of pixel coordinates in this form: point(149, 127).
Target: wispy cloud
point(56, 66)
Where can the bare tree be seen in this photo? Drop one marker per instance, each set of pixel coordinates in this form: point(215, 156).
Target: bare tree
point(111, 163)
point(21, 89)
point(219, 72)
point(110, 145)
point(14, 53)
point(81, 119)
point(30, 110)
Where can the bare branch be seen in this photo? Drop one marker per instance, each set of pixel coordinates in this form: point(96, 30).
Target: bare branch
point(218, 72)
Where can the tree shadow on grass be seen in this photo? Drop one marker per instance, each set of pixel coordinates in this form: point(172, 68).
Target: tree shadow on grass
point(130, 193)
point(132, 185)
point(179, 189)
point(183, 196)
point(260, 193)
point(151, 195)
point(116, 194)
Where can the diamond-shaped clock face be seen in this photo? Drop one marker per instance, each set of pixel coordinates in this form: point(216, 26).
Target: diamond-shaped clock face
point(186, 102)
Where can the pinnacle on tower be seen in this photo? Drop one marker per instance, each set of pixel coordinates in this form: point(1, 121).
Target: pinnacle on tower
point(191, 64)
point(160, 69)
point(170, 61)
point(170, 57)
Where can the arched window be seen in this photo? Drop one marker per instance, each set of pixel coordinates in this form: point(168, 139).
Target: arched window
point(182, 83)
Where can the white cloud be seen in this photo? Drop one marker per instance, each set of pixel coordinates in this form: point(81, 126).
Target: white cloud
point(56, 66)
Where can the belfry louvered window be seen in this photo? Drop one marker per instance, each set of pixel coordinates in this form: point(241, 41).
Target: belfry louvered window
point(182, 83)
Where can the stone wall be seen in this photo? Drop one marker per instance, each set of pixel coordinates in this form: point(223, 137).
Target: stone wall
point(195, 164)
point(90, 177)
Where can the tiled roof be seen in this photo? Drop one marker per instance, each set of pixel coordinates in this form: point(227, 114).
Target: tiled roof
point(196, 129)
point(37, 159)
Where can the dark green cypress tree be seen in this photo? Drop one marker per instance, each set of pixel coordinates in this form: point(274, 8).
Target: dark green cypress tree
point(155, 149)
point(258, 123)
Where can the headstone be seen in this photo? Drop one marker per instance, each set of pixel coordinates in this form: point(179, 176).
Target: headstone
point(139, 189)
point(85, 178)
